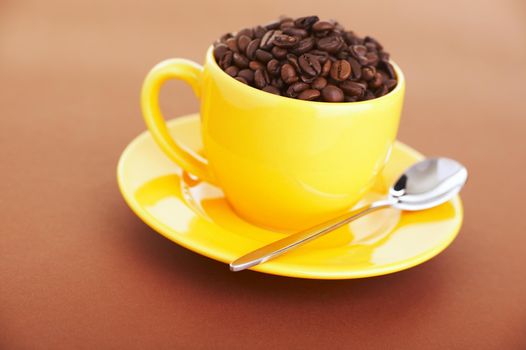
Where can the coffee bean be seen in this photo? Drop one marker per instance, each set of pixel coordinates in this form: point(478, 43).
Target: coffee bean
point(232, 71)
point(310, 64)
point(384, 56)
point(241, 80)
point(306, 22)
point(376, 81)
point(371, 40)
point(240, 60)
point(319, 83)
point(321, 26)
point(390, 84)
point(255, 65)
point(352, 88)
point(226, 60)
point(293, 60)
point(304, 45)
point(251, 48)
point(272, 89)
point(263, 56)
point(368, 96)
point(243, 42)
point(286, 24)
point(368, 73)
point(247, 32)
point(351, 98)
point(331, 93)
point(259, 79)
point(268, 39)
point(272, 25)
point(285, 40)
point(382, 90)
point(273, 67)
point(246, 74)
point(389, 69)
point(340, 70)
point(330, 44)
point(326, 68)
point(307, 78)
point(277, 83)
point(309, 95)
point(372, 58)
point(232, 44)
point(219, 51)
point(279, 52)
point(297, 32)
point(356, 68)
point(299, 86)
point(259, 31)
point(288, 74)
point(224, 37)
point(322, 55)
point(358, 51)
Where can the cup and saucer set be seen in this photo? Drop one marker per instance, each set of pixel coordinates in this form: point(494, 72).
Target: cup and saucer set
point(254, 167)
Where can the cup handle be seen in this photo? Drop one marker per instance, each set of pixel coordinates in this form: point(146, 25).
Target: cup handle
point(189, 72)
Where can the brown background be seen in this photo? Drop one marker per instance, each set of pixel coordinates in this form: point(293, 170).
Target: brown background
point(79, 271)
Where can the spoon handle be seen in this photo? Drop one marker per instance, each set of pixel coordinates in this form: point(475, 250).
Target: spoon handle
point(283, 245)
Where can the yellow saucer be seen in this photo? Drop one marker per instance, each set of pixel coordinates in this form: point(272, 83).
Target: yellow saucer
point(196, 215)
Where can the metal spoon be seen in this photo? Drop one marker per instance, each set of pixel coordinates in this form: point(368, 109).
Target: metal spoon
point(424, 185)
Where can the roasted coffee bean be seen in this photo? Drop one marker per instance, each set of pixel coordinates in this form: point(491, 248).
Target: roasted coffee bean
point(372, 58)
point(259, 31)
point(268, 39)
point(297, 32)
point(272, 25)
point(319, 60)
point(340, 70)
point(279, 52)
point(273, 67)
point(389, 69)
point(259, 79)
point(278, 83)
point(241, 80)
point(304, 45)
point(358, 51)
point(376, 81)
point(219, 51)
point(330, 44)
point(306, 22)
point(319, 83)
point(382, 90)
point(372, 40)
point(293, 60)
point(332, 93)
point(240, 60)
point(368, 73)
point(255, 65)
point(288, 74)
point(326, 68)
point(232, 71)
point(251, 48)
point(356, 68)
point(353, 88)
point(390, 84)
point(263, 56)
point(310, 64)
point(322, 55)
point(226, 60)
point(272, 89)
point(246, 74)
point(285, 40)
point(321, 26)
point(232, 44)
point(243, 42)
point(309, 95)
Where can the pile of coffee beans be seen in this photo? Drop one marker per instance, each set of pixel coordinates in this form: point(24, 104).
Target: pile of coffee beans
point(308, 59)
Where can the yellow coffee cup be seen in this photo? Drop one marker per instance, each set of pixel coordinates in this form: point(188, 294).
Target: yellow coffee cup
point(282, 163)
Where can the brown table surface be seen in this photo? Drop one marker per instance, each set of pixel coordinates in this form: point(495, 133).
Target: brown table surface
point(79, 271)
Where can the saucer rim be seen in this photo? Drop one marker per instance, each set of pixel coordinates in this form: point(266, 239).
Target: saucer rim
point(274, 267)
